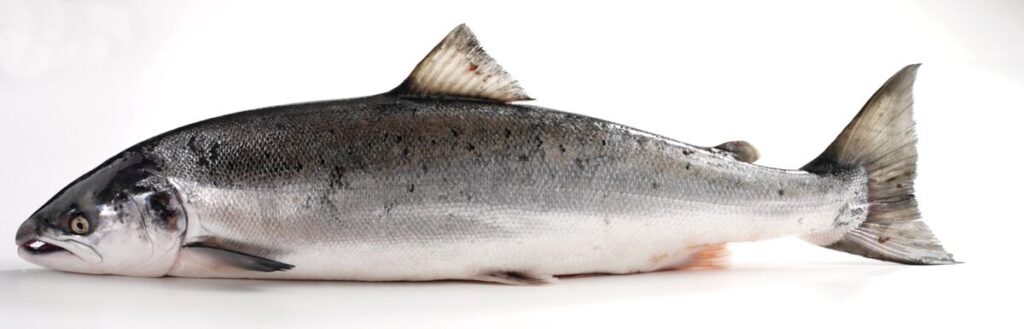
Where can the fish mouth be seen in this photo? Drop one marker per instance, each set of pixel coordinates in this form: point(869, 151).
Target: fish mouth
point(39, 247)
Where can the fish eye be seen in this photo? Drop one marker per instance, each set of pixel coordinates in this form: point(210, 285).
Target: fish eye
point(79, 225)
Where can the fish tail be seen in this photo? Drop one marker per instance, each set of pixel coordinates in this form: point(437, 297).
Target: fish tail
point(881, 140)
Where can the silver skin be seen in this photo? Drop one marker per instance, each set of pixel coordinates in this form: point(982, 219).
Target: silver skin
point(408, 188)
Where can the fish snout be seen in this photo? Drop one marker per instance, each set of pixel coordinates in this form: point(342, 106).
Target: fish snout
point(26, 232)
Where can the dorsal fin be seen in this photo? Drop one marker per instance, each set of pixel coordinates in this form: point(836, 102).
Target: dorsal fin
point(458, 67)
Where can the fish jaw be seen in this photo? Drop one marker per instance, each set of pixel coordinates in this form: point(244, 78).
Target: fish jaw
point(33, 248)
point(52, 253)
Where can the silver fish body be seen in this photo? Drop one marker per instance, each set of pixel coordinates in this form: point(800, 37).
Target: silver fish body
point(441, 178)
point(385, 188)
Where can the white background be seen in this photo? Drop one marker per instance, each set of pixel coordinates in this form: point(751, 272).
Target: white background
point(82, 80)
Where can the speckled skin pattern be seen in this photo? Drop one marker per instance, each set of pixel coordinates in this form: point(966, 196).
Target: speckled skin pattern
point(392, 188)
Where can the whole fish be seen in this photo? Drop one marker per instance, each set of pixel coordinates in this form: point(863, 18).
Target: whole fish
point(442, 178)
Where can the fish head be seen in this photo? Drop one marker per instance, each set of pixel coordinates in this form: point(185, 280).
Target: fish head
point(121, 218)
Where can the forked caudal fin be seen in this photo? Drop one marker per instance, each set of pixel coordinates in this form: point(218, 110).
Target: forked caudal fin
point(881, 140)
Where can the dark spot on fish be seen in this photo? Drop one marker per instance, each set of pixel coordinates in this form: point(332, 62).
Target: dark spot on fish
point(883, 239)
point(540, 142)
point(326, 200)
point(837, 221)
point(470, 147)
point(192, 146)
point(204, 155)
point(579, 163)
point(307, 202)
point(687, 151)
point(899, 185)
point(338, 177)
point(322, 161)
point(423, 167)
point(203, 162)
point(561, 148)
point(163, 210)
point(604, 142)
point(508, 133)
point(654, 185)
point(298, 167)
point(687, 166)
point(412, 188)
point(524, 157)
point(782, 192)
point(214, 153)
point(466, 195)
point(455, 133)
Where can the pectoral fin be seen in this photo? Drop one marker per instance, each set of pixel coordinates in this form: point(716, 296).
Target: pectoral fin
point(221, 257)
point(516, 278)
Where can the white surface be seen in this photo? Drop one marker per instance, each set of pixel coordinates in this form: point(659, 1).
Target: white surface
point(82, 80)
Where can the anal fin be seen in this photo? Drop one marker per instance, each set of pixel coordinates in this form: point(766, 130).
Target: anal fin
point(221, 257)
point(517, 278)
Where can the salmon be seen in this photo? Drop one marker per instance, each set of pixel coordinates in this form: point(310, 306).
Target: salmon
point(447, 177)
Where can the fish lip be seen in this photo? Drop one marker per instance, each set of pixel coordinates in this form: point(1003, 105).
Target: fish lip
point(36, 246)
point(70, 247)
